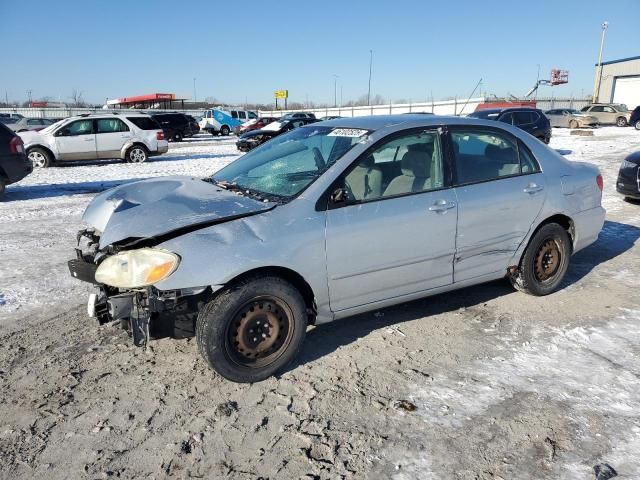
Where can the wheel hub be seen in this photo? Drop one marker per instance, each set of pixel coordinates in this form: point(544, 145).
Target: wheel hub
point(547, 260)
point(258, 330)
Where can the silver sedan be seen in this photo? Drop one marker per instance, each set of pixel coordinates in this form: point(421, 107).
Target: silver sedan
point(331, 220)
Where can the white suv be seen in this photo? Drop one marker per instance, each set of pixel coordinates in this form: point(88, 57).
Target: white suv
point(133, 137)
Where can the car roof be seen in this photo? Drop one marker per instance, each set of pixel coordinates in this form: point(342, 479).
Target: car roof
point(377, 122)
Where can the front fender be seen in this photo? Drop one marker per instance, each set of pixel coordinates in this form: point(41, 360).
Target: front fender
point(216, 255)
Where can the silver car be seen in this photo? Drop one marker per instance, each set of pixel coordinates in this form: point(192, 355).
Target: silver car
point(609, 113)
point(570, 118)
point(330, 220)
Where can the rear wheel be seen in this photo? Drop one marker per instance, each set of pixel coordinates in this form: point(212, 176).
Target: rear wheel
point(637, 125)
point(224, 130)
point(3, 187)
point(252, 329)
point(621, 122)
point(39, 157)
point(137, 154)
point(177, 137)
point(545, 261)
point(573, 124)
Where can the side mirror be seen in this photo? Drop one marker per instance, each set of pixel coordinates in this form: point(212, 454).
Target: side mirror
point(339, 195)
point(63, 132)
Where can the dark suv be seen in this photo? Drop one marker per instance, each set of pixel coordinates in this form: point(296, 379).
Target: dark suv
point(635, 118)
point(14, 164)
point(530, 120)
point(176, 126)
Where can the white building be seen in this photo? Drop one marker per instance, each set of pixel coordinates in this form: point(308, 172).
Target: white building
point(620, 82)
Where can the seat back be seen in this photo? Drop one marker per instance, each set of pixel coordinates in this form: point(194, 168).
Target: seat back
point(365, 181)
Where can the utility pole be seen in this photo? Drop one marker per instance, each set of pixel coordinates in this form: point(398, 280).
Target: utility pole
point(596, 86)
point(29, 95)
point(537, 82)
point(195, 98)
point(335, 90)
point(370, 70)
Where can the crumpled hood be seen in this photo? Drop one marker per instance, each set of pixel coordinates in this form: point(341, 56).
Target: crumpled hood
point(159, 206)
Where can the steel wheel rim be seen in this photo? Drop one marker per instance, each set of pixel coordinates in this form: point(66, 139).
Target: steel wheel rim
point(137, 155)
point(37, 159)
point(548, 260)
point(621, 122)
point(260, 332)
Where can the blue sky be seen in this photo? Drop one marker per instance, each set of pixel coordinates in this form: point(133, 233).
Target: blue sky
point(246, 50)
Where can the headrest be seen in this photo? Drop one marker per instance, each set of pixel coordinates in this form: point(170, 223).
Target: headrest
point(417, 161)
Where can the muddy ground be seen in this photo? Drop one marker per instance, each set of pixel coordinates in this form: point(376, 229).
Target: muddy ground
point(483, 383)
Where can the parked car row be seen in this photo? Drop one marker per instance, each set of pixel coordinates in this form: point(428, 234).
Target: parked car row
point(254, 138)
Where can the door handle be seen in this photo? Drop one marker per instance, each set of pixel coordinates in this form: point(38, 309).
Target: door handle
point(533, 188)
point(441, 206)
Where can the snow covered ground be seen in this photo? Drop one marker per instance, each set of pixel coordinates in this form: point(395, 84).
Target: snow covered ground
point(504, 385)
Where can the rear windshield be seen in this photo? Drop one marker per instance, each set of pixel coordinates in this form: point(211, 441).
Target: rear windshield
point(145, 123)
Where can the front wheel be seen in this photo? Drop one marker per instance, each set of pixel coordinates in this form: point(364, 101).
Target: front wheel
point(637, 125)
point(252, 329)
point(573, 124)
point(621, 122)
point(545, 261)
point(224, 130)
point(2, 188)
point(39, 158)
point(137, 154)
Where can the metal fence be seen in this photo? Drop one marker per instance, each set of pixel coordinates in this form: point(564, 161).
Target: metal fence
point(447, 107)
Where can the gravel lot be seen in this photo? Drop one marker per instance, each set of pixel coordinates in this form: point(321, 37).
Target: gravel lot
point(483, 383)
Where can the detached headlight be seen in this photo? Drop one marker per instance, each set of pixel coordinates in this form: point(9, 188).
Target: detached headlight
point(137, 268)
point(626, 164)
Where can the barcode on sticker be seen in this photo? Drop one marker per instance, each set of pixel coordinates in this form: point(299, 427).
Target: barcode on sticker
point(347, 132)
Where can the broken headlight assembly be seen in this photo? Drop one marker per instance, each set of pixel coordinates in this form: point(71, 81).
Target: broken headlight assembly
point(137, 268)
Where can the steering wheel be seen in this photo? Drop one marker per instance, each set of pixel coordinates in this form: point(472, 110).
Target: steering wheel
point(319, 159)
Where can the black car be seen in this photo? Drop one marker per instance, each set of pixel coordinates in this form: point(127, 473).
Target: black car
point(252, 139)
point(14, 164)
point(635, 118)
point(628, 183)
point(530, 120)
point(176, 126)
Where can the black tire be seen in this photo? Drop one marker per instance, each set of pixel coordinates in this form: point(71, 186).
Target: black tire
point(137, 154)
point(621, 122)
point(224, 130)
point(545, 261)
point(226, 325)
point(3, 188)
point(39, 157)
point(637, 125)
point(177, 137)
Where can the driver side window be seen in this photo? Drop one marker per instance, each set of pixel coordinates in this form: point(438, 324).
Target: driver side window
point(79, 127)
point(409, 164)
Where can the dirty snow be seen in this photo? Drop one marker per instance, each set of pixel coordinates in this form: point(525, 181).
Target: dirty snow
point(504, 385)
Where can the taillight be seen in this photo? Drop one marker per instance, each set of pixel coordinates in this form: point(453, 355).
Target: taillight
point(16, 146)
point(600, 182)
point(160, 135)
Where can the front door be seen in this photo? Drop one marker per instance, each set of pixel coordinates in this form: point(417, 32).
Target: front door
point(111, 135)
point(500, 192)
point(76, 141)
point(394, 235)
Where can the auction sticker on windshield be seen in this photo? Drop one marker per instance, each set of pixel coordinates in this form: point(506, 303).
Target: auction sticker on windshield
point(347, 132)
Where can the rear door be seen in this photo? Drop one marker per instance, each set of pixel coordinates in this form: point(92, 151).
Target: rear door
point(111, 135)
point(76, 141)
point(500, 192)
point(394, 235)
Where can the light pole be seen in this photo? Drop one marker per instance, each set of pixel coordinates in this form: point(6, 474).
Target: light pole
point(596, 86)
point(195, 98)
point(370, 70)
point(335, 90)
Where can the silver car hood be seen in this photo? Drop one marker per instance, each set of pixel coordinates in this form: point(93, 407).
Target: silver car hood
point(160, 206)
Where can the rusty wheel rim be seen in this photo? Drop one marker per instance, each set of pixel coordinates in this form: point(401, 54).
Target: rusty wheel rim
point(260, 332)
point(548, 259)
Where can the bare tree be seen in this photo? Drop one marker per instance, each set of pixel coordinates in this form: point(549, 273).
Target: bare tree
point(77, 99)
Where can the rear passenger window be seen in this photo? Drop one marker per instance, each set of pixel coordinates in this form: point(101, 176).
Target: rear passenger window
point(111, 125)
point(234, 114)
point(145, 123)
point(487, 155)
point(408, 164)
point(242, 115)
point(522, 118)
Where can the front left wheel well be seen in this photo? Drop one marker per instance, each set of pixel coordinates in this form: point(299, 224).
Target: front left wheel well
point(291, 276)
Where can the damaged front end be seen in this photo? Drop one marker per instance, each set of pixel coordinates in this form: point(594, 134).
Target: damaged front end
point(139, 310)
